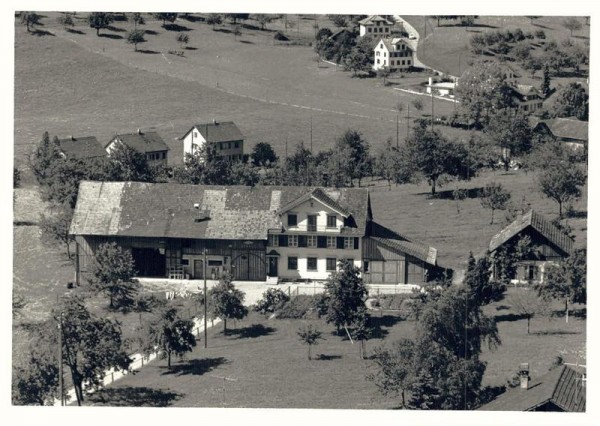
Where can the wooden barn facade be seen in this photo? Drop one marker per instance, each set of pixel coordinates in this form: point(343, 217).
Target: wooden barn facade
point(281, 233)
point(548, 245)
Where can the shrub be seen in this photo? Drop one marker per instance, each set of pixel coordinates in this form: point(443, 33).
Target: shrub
point(273, 299)
point(394, 301)
point(299, 307)
point(540, 34)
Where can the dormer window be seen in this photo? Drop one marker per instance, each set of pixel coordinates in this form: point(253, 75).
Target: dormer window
point(292, 219)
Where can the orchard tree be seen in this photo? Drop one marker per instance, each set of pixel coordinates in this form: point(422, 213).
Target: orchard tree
point(183, 39)
point(355, 151)
point(214, 19)
point(572, 24)
point(100, 20)
point(165, 16)
point(355, 61)
point(339, 21)
point(35, 382)
point(360, 330)
point(227, 301)
point(29, 19)
point(525, 301)
point(562, 182)
point(263, 19)
point(494, 197)
point(55, 227)
point(394, 372)
point(169, 333)
point(263, 155)
point(346, 294)
point(389, 165)
point(46, 154)
point(234, 17)
point(112, 273)
point(309, 335)
point(418, 104)
point(477, 280)
point(66, 21)
point(137, 19)
point(135, 37)
point(566, 281)
point(127, 164)
point(512, 134)
point(572, 101)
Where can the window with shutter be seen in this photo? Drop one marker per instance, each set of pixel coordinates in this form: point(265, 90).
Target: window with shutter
point(302, 241)
point(321, 241)
point(283, 240)
point(356, 243)
point(340, 242)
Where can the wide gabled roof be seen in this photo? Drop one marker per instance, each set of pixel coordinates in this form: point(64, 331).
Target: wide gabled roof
point(525, 89)
point(540, 224)
point(319, 195)
point(83, 147)
point(391, 42)
point(570, 128)
point(218, 132)
point(401, 244)
point(142, 141)
point(167, 210)
point(370, 20)
point(562, 386)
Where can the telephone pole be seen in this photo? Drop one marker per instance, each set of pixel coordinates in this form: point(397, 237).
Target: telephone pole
point(205, 302)
point(60, 362)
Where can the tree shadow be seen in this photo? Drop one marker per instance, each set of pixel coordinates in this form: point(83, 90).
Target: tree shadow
point(192, 18)
point(554, 333)
point(191, 48)
point(73, 31)
point(195, 367)
point(448, 194)
point(384, 321)
point(148, 52)
point(502, 307)
point(577, 214)
point(42, 33)
point(252, 331)
point(246, 42)
point(577, 313)
point(112, 36)
point(475, 25)
point(133, 397)
point(489, 393)
point(535, 24)
point(176, 27)
point(222, 30)
point(323, 357)
point(116, 29)
point(509, 317)
point(581, 37)
point(250, 27)
point(151, 32)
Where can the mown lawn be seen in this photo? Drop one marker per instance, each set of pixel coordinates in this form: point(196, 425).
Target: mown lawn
point(262, 364)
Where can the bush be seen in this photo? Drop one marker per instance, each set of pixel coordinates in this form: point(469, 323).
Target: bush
point(540, 34)
point(273, 299)
point(299, 307)
point(394, 301)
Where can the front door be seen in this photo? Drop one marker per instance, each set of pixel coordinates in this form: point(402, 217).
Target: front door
point(198, 269)
point(273, 262)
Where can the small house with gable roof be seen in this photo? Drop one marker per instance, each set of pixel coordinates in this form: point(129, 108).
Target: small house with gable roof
point(225, 138)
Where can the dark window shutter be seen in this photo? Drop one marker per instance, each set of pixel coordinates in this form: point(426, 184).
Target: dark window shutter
point(322, 241)
point(355, 243)
point(283, 242)
point(302, 241)
point(340, 242)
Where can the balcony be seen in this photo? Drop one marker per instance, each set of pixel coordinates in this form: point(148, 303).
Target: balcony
point(310, 228)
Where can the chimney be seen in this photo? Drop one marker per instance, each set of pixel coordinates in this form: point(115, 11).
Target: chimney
point(72, 137)
point(215, 121)
point(431, 81)
point(524, 375)
point(139, 131)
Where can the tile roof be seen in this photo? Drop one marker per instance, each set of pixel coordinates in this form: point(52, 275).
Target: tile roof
point(391, 42)
point(167, 210)
point(142, 141)
point(84, 147)
point(568, 128)
point(540, 224)
point(225, 131)
point(562, 387)
point(370, 20)
point(319, 195)
point(401, 244)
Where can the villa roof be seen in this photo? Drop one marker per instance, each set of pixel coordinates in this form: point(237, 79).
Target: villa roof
point(371, 20)
point(225, 131)
point(82, 147)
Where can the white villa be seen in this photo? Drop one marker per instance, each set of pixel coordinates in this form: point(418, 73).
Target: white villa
point(396, 54)
point(225, 137)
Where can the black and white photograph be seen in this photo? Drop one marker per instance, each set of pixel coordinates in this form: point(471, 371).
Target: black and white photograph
point(345, 207)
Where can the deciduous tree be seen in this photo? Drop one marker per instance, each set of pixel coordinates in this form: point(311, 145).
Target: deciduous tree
point(29, 19)
point(112, 273)
point(135, 37)
point(165, 16)
point(35, 382)
point(183, 39)
point(227, 301)
point(494, 197)
point(55, 227)
point(561, 182)
point(310, 336)
point(100, 20)
point(263, 155)
point(66, 21)
point(571, 101)
point(572, 24)
point(525, 301)
point(214, 19)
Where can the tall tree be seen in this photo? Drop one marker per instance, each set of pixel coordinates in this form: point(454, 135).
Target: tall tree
point(355, 149)
point(477, 280)
point(112, 273)
point(346, 294)
point(227, 301)
point(127, 164)
point(263, 155)
point(214, 19)
point(567, 281)
point(29, 19)
point(165, 16)
point(562, 182)
point(35, 382)
point(66, 21)
point(169, 333)
point(45, 155)
point(572, 24)
point(100, 20)
point(55, 227)
point(525, 301)
point(263, 19)
point(512, 134)
point(394, 372)
point(494, 197)
point(545, 88)
point(234, 17)
point(137, 19)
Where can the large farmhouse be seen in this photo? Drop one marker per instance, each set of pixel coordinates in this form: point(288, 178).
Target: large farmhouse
point(570, 131)
point(375, 25)
point(224, 137)
point(548, 245)
point(284, 233)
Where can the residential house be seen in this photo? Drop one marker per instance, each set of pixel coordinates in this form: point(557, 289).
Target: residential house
point(570, 131)
point(509, 74)
point(80, 148)
point(341, 34)
point(375, 25)
point(224, 137)
point(395, 54)
point(284, 233)
point(148, 143)
point(442, 88)
point(562, 389)
point(526, 98)
point(549, 245)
